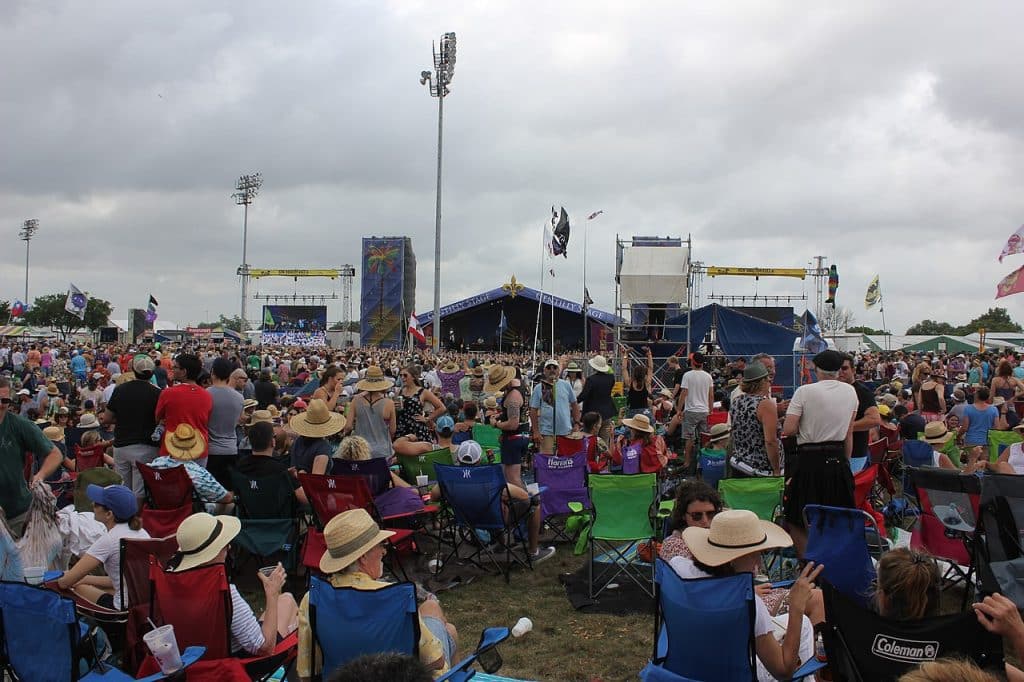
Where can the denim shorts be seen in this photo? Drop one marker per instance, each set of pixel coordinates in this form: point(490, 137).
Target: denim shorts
point(437, 628)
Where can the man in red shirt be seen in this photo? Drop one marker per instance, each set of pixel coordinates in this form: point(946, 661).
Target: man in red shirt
point(185, 401)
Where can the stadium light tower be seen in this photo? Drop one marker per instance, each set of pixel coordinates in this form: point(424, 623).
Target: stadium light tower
point(28, 230)
point(444, 71)
point(248, 186)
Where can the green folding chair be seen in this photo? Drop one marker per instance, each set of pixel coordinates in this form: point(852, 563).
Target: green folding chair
point(763, 496)
point(997, 440)
point(418, 465)
point(622, 519)
point(487, 436)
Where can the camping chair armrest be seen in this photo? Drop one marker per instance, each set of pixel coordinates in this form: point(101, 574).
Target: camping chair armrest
point(426, 511)
point(188, 657)
point(808, 669)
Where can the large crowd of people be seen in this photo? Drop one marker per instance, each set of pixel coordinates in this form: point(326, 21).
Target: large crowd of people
point(224, 412)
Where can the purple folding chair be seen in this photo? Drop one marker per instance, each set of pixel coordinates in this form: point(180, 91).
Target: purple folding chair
point(565, 479)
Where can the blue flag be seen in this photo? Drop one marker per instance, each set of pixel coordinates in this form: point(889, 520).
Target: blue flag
point(812, 340)
point(502, 324)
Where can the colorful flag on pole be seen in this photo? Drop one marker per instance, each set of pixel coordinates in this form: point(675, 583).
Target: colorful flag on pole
point(812, 340)
point(414, 329)
point(1011, 284)
point(151, 310)
point(268, 318)
point(1015, 244)
point(18, 309)
point(76, 302)
point(873, 295)
point(502, 324)
point(833, 285)
point(594, 215)
point(559, 232)
point(587, 301)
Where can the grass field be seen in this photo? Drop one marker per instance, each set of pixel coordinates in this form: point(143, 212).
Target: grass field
point(564, 644)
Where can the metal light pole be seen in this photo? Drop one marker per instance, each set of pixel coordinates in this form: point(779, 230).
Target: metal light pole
point(28, 230)
point(248, 187)
point(444, 71)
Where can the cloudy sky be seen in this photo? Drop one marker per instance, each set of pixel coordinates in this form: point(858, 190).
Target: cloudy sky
point(886, 136)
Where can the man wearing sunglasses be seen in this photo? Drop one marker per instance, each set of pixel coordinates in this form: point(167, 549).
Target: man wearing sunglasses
point(18, 436)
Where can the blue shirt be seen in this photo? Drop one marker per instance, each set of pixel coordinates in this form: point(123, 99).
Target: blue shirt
point(79, 365)
point(554, 420)
point(979, 424)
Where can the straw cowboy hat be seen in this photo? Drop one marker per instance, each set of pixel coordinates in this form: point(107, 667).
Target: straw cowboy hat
point(52, 390)
point(54, 433)
point(719, 432)
point(88, 421)
point(275, 412)
point(599, 363)
point(261, 416)
point(640, 422)
point(936, 432)
point(201, 537)
point(490, 403)
point(498, 377)
point(450, 367)
point(317, 421)
point(573, 367)
point(185, 443)
point(478, 372)
point(249, 403)
point(374, 380)
point(348, 536)
point(733, 533)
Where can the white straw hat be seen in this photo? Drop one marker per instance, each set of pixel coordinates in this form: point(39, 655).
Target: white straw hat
point(733, 533)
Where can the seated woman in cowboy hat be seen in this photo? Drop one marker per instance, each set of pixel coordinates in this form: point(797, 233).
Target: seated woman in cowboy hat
point(203, 540)
point(184, 446)
point(355, 558)
point(733, 544)
point(311, 451)
point(651, 447)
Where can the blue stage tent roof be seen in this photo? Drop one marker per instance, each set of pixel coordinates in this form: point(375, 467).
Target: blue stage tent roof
point(427, 317)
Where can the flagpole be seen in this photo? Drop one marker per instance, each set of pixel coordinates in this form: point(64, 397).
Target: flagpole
point(888, 337)
point(540, 304)
point(501, 332)
point(552, 324)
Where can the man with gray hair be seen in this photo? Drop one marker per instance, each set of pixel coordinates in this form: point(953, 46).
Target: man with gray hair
point(821, 416)
point(132, 411)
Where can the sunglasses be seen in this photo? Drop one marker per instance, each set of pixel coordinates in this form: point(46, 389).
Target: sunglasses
point(697, 516)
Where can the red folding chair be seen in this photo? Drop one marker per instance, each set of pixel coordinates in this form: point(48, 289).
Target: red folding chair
point(169, 499)
point(879, 454)
point(89, 457)
point(136, 556)
point(197, 602)
point(331, 495)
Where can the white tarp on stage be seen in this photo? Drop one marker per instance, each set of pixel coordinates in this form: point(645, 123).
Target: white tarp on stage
point(653, 274)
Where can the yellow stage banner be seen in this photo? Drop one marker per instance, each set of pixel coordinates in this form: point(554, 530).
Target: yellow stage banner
point(799, 273)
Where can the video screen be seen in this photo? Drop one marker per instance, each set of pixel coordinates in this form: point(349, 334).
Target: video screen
point(303, 319)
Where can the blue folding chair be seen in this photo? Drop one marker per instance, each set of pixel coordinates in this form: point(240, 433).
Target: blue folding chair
point(474, 495)
point(44, 641)
point(704, 629)
point(347, 623)
point(836, 539)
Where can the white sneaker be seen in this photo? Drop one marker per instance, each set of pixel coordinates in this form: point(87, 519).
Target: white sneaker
point(542, 554)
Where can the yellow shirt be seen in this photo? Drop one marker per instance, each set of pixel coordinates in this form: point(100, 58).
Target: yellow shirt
point(429, 646)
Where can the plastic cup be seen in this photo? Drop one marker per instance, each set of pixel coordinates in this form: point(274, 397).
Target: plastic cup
point(522, 626)
point(533, 489)
point(421, 480)
point(435, 565)
point(34, 575)
point(164, 647)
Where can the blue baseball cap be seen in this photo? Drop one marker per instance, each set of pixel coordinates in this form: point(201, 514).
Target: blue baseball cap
point(117, 498)
point(445, 422)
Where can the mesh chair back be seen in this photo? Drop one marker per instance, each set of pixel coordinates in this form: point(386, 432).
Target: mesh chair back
point(759, 495)
point(566, 481)
point(376, 472)
point(89, 457)
point(348, 623)
point(474, 493)
point(160, 523)
point(423, 465)
point(1001, 556)
point(949, 503)
point(709, 623)
point(136, 588)
point(877, 450)
point(263, 498)
point(197, 602)
point(40, 632)
point(331, 495)
point(917, 453)
point(166, 488)
point(835, 539)
point(861, 645)
point(622, 506)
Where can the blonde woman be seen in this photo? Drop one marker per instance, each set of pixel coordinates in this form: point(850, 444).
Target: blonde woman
point(355, 449)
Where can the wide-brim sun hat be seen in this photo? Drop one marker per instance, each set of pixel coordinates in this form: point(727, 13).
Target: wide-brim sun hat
point(317, 421)
point(374, 380)
point(88, 421)
point(733, 533)
point(498, 377)
point(936, 432)
point(450, 367)
point(639, 422)
point(185, 443)
point(201, 537)
point(261, 416)
point(52, 390)
point(599, 363)
point(719, 432)
point(348, 536)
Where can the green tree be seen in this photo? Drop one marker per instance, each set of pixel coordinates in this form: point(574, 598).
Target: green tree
point(48, 311)
point(994, 320)
point(868, 330)
point(5, 311)
point(931, 328)
point(232, 323)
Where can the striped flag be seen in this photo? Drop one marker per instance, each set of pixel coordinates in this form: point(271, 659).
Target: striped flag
point(414, 329)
